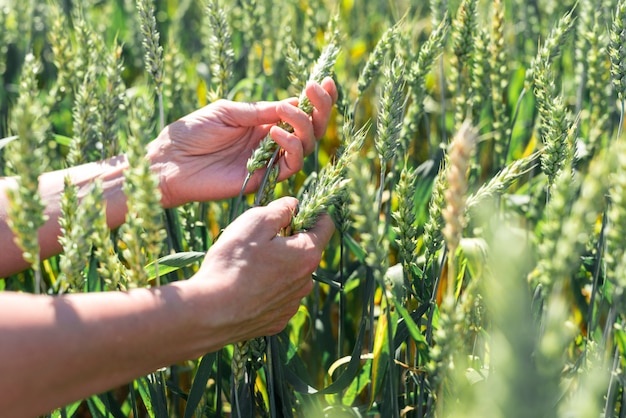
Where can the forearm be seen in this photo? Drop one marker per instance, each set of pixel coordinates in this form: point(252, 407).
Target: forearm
point(51, 188)
point(56, 350)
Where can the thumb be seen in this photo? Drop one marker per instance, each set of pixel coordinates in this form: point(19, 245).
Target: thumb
point(269, 220)
point(283, 208)
point(322, 231)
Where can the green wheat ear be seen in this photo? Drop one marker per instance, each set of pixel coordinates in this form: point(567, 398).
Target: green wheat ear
point(459, 158)
point(389, 123)
point(150, 42)
point(551, 47)
point(27, 158)
point(220, 50)
point(331, 184)
point(405, 220)
point(499, 84)
point(142, 233)
point(416, 80)
point(375, 59)
point(617, 54)
point(78, 226)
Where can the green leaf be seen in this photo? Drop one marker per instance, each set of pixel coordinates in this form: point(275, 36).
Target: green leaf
point(198, 386)
point(355, 248)
point(474, 251)
point(5, 141)
point(97, 408)
point(381, 355)
point(409, 323)
point(67, 411)
point(174, 262)
point(152, 391)
point(359, 383)
point(62, 140)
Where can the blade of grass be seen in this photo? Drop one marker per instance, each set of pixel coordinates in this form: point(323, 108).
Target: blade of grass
point(198, 386)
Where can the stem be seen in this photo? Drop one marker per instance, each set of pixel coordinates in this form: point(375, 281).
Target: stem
point(381, 187)
point(433, 297)
point(218, 384)
point(442, 78)
point(610, 396)
point(392, 356)
point(621, 120)
point(451, 290)
point(37, 276)
point(342, 298)
point(271, 393)
point(270, 164)
point(235, 211)
point(161, 109)
point(157, 278)
point(515, 115)
point(596, 272)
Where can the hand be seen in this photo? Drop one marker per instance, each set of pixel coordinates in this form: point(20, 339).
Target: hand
point(260, 276)
point(203, 155)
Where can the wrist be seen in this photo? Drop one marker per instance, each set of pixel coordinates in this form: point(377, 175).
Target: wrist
point(161, 165)
point(206, 315)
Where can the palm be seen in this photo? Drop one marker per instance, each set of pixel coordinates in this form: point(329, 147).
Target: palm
point(210, 144)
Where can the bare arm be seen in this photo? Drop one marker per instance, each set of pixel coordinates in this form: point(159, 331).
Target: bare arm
point(51, 187)
point(54, 351)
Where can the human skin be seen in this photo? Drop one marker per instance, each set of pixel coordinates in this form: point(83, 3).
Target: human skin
point(55, 350)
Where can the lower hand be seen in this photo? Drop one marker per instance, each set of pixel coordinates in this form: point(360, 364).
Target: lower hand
point(261, 277)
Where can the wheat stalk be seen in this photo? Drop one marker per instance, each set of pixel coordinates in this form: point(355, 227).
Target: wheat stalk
point(220, 50)
point(554, 127)
point(375, 60)
point(459, 158)
point(416, 80)
point(153, 51)
point(464, 35)
point(110, 269)
point(550, 48)
point(617, 54)
point(330, 186)
point(499, 84)
point(143, 229)
point(502, 181)
point(405, 219)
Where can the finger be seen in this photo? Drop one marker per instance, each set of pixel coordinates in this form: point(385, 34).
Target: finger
point(329, 85)
point(247, 114)
point(293, 158)
point(265, 222)
point(321, 233)
point(322, 98)
point(283, 209)
point(307, 247)
point(301, 124)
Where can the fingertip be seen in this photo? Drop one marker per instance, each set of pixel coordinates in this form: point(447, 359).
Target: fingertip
point(288, 202)
point(323, 230)
point(326, 87)
point(292, 160)
point(329, 85)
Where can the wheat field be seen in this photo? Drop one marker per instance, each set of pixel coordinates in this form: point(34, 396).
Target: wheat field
point(474, 167)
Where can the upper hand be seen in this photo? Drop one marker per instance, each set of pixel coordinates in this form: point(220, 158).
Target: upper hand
point(203, 155)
